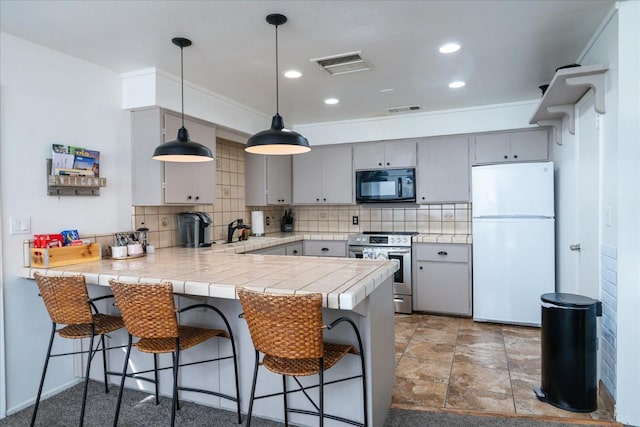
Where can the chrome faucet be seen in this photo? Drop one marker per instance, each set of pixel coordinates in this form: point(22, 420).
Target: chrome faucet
point(231, 228)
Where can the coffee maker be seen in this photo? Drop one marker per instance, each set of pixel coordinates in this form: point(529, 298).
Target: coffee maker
point(193, 229)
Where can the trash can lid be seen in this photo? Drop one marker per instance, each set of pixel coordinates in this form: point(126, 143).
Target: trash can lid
point(568, 300)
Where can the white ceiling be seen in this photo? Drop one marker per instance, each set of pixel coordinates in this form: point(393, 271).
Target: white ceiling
point(509, 47)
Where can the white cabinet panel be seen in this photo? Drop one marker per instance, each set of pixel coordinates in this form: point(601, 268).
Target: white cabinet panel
point(517, 146)
point(157, 183)
point(443, 169)
point(380, 155)
point(267, 180)
point(323, 175)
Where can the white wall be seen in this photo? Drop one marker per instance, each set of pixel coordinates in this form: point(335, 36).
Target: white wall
point(486, 118)
point(618, 46)
point(628, 197)
point(48, 97)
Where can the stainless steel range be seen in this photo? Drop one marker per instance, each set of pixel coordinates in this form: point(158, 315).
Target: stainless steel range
point(386, 245)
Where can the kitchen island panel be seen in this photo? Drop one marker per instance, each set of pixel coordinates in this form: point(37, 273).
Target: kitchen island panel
point(360, 290)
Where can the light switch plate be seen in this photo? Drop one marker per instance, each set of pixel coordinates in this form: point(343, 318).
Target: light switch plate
point(20, 225)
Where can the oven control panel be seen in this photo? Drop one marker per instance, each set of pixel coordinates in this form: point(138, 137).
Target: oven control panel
point(379, 240)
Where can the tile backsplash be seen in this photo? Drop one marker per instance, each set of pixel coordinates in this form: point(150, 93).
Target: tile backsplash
point(162, 221)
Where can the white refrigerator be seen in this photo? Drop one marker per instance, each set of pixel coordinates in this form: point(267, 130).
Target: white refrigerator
point(513, 241)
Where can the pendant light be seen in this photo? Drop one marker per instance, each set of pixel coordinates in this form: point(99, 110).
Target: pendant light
point(182, 149)
point(277, 140)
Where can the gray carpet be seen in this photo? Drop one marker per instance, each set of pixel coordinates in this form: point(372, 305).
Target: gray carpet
point(138, 409)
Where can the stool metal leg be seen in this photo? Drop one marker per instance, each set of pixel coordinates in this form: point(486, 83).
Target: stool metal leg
point(176, 363)
point(155, 375)
point(284, 399)
point(124, 376)
point(104, 364)
point(44, 373)
point(86, 376)
point(364, 390)
point(253, 389)
point(321, 392)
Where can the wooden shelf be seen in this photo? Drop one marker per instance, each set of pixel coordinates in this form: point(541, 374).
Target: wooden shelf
point(65, 185)
point(568, 86)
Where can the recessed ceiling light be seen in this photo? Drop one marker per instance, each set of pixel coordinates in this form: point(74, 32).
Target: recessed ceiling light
point(457, 84)
point(449, 48)
point(386, 90)
point(292, 74)
point(331, 101)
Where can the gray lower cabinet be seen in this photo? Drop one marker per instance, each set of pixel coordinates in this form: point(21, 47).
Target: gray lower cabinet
point(329, 248)
point(292, 249)
point(442, 278)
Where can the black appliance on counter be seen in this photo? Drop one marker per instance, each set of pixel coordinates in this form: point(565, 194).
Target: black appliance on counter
point(386, 186)
point(193, 229)
point(389, 245)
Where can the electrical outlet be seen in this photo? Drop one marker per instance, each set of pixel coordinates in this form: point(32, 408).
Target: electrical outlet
point(20, 225)
point(354, 220)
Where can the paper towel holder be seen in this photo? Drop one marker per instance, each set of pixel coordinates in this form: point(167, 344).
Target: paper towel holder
point(257, 223)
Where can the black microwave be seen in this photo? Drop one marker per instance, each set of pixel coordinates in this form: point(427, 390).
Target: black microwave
point(386, 185)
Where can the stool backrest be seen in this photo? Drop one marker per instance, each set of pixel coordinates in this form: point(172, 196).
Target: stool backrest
point(147, 309)
point(287, 326)
point(66, 298)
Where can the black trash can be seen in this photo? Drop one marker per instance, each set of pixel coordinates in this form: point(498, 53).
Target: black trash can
point(569, 377)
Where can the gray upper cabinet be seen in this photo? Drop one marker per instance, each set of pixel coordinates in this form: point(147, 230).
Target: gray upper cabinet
point(323, 175)
point(381, 155)
point(267, 180)
point(443, 169)
point(518, 146)
point(158, 183)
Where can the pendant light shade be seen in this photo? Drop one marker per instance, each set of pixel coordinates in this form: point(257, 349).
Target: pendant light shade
point(182, 149)
point(277, 140)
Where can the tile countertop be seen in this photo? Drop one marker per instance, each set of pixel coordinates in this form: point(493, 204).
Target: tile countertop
point(344, 282)
point(464, 239)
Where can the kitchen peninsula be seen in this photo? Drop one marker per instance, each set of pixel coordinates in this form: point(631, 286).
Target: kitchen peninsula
point(359, 289)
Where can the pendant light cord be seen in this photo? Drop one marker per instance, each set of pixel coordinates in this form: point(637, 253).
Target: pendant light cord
point(182, 81)
point(277, 75)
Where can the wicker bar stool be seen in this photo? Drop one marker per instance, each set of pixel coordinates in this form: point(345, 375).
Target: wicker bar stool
point(288, 330)
point(68, 303)
point(149, 314)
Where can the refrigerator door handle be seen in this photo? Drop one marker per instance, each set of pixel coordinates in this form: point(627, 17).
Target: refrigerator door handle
point(575, 247)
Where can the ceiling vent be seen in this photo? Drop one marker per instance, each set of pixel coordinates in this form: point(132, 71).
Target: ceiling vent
point(343, 63)
point(407, 109)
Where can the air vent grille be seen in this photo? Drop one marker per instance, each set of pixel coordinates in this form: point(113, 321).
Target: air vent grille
point(343, 63)
point(406, 109)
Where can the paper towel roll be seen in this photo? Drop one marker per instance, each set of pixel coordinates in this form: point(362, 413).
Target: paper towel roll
point(257, 223)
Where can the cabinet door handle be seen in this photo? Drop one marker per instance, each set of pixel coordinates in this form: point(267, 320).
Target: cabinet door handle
point(387, 163)
point(295, 252)
point(515, 156)
point(317, 200)
point(423, 197)
point(420, 267)
point(197, 197)
point(325, 249)
point(442, 253)
point(379, 164)
point(324, 200)
point(506, 157)
point(188, 197)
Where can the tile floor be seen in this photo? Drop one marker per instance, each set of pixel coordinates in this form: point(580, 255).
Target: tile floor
point(458, 364)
